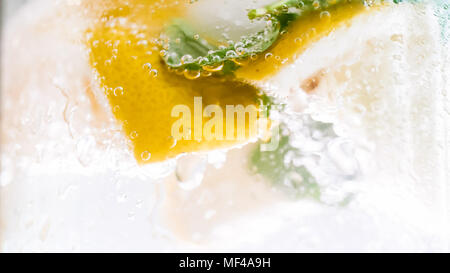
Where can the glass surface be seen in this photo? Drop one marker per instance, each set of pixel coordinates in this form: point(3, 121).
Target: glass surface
point(359, 112)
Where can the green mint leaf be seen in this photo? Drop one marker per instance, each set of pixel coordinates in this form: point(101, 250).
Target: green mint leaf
point(295, 180)
point(186, 50)
point(181, 41)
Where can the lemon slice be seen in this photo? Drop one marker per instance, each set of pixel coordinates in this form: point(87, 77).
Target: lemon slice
point(301, 34)
point(141, 90)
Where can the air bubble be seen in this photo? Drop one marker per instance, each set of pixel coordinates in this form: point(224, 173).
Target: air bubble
point(108, 91)
point(174, 142)
point(154, 73)
point(192, 74)
point(134, 135)
point(238, 45)
point(118, 91)
point(205, 73)
point(142, 43)
point(213, 68)
point(240, 51)
point(147, 66)
point(241, 61)
point(145, 156)
point(203, 61)
point(231, 54)
point(186, 59)
point(325, 15)
point(316, 4)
